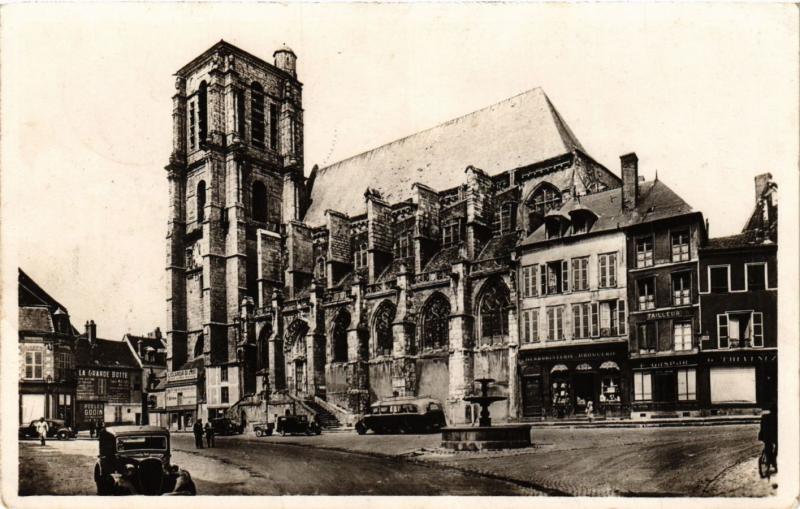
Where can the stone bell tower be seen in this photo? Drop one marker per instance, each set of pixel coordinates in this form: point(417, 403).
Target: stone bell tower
point(235, 176)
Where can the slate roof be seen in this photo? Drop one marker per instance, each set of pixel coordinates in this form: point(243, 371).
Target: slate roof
point(149, 342)
point(35, 319)
point(443, 258)
point(656, 201)
point(105, 353)
point(499, 247)
point(31, 295)
point(513, 133)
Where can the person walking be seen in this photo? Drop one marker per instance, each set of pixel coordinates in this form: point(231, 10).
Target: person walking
point(41, 429)
point(197, 429)
point(768, 433)
point(91, 429)
point(209, 435)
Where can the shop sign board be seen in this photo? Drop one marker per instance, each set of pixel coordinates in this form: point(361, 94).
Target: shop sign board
point(568, 356)
point(180, 397)
point(182, 375)
point(668, 363)
point(734, 358)
point(671, 313)
point(98, 384)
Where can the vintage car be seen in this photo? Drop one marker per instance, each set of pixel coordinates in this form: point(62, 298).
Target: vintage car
point(296, 425)
point(225, 426)
point(139, 453)
point(403, 415)
point(55, 428)
point(263, 428)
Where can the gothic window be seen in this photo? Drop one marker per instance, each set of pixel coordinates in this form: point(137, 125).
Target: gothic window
point(435, 323)
point(273, 127)
point(201, 200)
point(198, 346)
point(340, 325)
point(259, 202)
point(240, 120)
point(384, 317)
point(202, 110)
point(544, 199)
point(403, 246)
point(493, 308)
point(504, 219)
point(360, 255)
point(257, 114)
point(192, 126)
point(451, 233)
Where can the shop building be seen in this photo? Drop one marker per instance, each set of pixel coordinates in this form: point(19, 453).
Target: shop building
point(184, 400)
point(738, 302)
point(108, 381)
point(662, 263)
point(150, 352)
point(46, 355)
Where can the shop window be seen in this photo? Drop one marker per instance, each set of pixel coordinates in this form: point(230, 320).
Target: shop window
point(340, 326)
point(718, 279)
point(580, 274)
point(544, 199)
point(384, 317)
point(257, 115)
point(223, 395)
point(259, 202)
point(687, 384)
point(451, 233)
point(642, 386)
point(607, 270)
point(644, 252)
point(360, 259)
point(681, 289)
point(529, 280)
point(200, 199)
point(435, 328)
point(223, 374)
point(273, 127)
point(609, 389)
point(733, 384)
point(192, 126)
point(33, 365)
point(646, 293)
point(682, 336)
point(580, 320)
point(756, 276)
point(680, 246)
point(202, 109)
point(494, 306)
point(530, 326)
point(402, 246)
point(646, 335)
point(555, 323)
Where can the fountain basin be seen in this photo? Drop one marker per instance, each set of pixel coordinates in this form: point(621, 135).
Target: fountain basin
point(486, 438)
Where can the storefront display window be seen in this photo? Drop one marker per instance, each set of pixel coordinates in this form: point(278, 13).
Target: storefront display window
point(687, 386)
point(642, 386)
point(609, 390)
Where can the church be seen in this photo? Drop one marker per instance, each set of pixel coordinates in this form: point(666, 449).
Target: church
point(388, 274)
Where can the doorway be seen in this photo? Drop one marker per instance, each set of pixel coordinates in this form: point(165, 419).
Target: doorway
point(584, 390)
point(531, 396)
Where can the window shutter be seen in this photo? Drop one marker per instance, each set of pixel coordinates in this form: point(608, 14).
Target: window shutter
point(722, 330)
point(612, 269)
point(603, 261)
point(622, 318)
point(526, 326)
point(595, 319)
point(564, 276)
point(534, 280)
point(758, 329)
point(576, 320)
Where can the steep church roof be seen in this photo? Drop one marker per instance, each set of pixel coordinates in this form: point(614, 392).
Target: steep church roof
point(516, 132)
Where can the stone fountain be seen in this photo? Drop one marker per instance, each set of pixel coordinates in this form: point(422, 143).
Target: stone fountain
point(485, 436)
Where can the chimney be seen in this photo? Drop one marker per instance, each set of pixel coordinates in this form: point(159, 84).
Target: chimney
point(91, 332)
point(762, 181)
point(157, 333)
point(630, 180)
point(140, 348)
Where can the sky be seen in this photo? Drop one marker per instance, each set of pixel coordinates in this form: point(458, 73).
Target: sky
point(706, 95)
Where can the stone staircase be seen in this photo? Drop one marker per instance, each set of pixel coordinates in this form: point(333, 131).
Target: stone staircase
point(326, 419)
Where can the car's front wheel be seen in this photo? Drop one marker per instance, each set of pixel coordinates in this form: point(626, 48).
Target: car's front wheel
point(361, 429)
point(259, 433)
point(62, 435)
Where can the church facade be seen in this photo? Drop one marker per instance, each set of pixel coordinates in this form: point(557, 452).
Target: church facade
point(396, 272)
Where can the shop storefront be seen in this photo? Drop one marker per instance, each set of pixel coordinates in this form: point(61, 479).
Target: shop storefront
point(181, 399)
point(738, 381)
point(559, 383)
point(665, 386)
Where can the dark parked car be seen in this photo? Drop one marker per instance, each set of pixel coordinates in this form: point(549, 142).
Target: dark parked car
point(142, 452)
point(296, 425)
point(225, 426)
point(56, 428)
point(403, 415)
point(263, 428)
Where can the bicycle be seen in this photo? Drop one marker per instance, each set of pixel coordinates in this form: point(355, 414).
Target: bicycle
point(767, 462)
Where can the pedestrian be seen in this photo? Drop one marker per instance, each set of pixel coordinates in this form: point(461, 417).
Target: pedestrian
point(590, 410)
point(91, 429)
point(209, 435)
point(768, 433)
point(41, 429)
point(198, 434)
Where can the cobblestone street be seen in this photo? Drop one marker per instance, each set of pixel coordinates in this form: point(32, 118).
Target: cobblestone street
point(683, 461)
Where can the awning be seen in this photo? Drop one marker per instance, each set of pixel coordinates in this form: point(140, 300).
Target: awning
point(583, 367)
point(609, 365)
point(558, 368)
